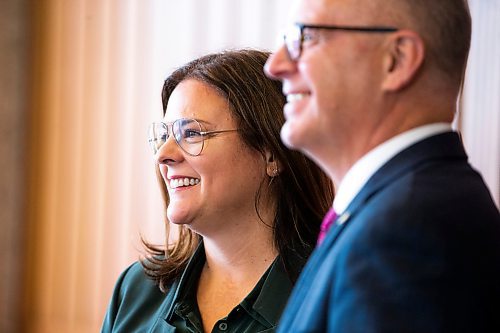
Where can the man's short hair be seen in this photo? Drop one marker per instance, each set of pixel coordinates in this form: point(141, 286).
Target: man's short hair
point(445, 27)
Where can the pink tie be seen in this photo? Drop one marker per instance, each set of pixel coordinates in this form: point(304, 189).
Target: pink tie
point(326, 224)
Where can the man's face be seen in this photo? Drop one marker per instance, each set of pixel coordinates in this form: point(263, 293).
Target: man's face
point(331, 87)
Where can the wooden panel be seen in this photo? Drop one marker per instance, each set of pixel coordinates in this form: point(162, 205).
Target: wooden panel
point(14, 71)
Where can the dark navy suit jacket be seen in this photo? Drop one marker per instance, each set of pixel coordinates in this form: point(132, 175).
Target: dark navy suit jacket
point(419, 251)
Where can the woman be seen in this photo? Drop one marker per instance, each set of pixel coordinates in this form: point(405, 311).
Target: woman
point(248, 209)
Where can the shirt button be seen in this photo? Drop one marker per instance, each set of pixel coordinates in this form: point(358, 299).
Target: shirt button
point(223, 326)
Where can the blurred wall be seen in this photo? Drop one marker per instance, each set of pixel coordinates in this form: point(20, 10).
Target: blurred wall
point(481, 103)
point(14, 70)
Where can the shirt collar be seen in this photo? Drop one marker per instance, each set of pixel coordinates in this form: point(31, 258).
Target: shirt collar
point(184, 301)
point(265, 302)
point(366, 166)
point(276, 289)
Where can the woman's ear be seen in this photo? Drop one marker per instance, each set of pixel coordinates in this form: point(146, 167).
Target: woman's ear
point(273, 167)
point(404, 58)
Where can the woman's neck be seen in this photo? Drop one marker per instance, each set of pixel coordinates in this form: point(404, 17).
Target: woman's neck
point(243, 255)
point(234, 265)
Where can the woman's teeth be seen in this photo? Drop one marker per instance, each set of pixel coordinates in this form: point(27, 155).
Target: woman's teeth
point(179, 182)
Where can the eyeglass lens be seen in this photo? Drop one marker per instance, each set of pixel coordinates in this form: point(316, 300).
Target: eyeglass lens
point(187, 134)
point(293, 41)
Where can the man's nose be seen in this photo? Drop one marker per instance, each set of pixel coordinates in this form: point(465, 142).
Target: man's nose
point(278, 64)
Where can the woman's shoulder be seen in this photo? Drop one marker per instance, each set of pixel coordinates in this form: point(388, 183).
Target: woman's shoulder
point(135, 302)
point(134, 275)
point(134, 284)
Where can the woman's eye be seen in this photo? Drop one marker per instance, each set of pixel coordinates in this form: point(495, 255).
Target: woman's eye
point(188, 134)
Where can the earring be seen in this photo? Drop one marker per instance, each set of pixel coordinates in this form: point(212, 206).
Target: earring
point(272, 171)
point(275, 171)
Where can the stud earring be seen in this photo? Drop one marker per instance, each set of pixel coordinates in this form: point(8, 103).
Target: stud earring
point(275, 171)
point(272, 171)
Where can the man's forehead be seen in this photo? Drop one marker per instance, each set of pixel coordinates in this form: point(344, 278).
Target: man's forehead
point(331, 11)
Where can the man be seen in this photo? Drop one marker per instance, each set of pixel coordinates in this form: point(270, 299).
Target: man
point(372, 88)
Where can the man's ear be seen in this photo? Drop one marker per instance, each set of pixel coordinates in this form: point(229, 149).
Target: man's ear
point(273, 166)
point(404, 58)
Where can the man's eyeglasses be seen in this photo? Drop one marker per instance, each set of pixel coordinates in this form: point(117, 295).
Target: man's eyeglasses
point(294, 36)
point(188, 135)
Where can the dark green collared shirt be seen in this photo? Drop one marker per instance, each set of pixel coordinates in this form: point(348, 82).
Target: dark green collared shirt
point(138, 305)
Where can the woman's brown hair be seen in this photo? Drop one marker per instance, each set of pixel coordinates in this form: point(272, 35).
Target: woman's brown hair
point(303, 192)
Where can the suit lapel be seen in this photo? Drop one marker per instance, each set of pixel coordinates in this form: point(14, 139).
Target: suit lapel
point(441, 146)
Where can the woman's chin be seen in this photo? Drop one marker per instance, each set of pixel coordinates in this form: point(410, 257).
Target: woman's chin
point(177, 217)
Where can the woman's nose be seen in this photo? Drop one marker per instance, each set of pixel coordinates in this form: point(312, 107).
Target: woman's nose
point(169, 152)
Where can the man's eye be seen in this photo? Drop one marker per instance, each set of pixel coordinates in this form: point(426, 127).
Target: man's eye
point(309, 35)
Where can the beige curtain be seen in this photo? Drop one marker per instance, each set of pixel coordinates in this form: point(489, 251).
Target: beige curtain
point(98, 67)
point(98, 70)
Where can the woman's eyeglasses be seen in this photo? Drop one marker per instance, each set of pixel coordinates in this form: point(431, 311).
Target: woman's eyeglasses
point(188, 135)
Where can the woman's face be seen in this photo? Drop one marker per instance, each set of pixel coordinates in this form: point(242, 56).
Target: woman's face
point(223, 180)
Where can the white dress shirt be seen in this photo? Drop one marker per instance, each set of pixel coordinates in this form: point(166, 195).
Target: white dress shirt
point(366, 166)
